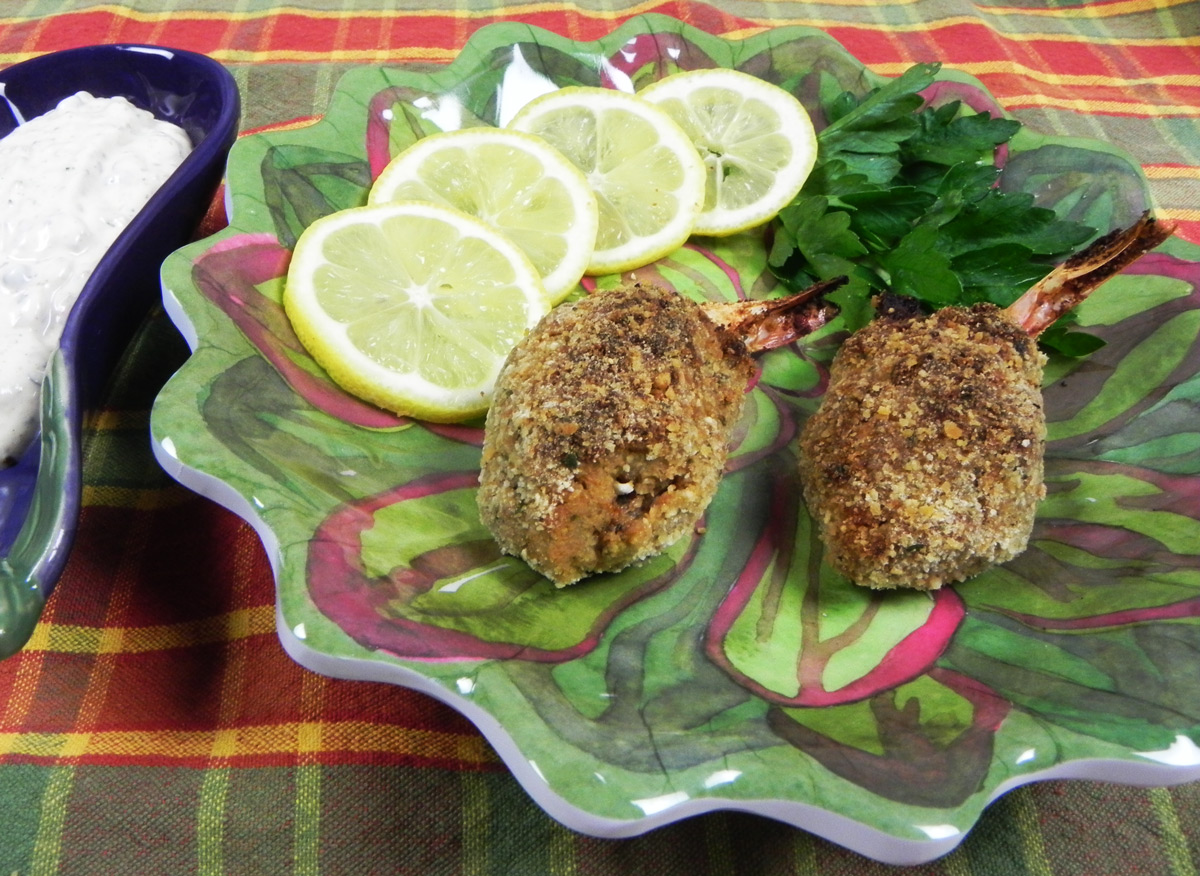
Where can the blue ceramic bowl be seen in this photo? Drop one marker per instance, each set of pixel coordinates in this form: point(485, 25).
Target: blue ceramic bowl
point(40, 495)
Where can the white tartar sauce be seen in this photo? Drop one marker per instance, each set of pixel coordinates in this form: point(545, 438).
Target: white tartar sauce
point(70, 181)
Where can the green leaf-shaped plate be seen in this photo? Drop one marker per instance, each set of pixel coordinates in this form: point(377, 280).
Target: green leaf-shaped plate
point(737, 671)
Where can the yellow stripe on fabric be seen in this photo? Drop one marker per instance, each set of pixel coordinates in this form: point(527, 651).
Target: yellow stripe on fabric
point(252, 740)
point(957, 863)
point(562, 851)
point(134, 499)
point(210, 822)
point(47, 846)
point(804, 854)
point(1173, 839)
point(109, 419)
point(931, 27)
point(1171, 171)
point(1037, 74)
point(1179, 215)
point(306, 829)
point(1065, 80)
point(241, 56)
point(118, 11)
point(476, 815)
point(109, 643)
point(231, 627)
point(24, 688)
point(350, 737)
point(1089, 10)
point(306, 833)
point(1032, 845)
point(1105, 107)
point(224, 744)
point(346, 56)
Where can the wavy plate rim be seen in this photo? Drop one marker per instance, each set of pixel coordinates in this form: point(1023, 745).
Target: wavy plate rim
point(856, 833)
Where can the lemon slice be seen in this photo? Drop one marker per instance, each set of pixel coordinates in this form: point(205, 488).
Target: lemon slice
point(412, 306)
point(516, 183)
point(647, 176)
point(756, 139)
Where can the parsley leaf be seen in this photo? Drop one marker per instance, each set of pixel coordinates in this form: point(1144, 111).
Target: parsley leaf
point(917, 268)
point(883, 119)
point(904, 196)
point(946, 138)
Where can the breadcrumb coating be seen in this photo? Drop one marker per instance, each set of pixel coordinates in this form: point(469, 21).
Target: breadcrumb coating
point(923, 466)
point(609, 431)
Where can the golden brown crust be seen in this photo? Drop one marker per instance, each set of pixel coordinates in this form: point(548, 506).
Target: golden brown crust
point(609, 431)
point(924, 464)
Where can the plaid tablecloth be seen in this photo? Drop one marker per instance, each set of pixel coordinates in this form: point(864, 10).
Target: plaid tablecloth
point(153, 725)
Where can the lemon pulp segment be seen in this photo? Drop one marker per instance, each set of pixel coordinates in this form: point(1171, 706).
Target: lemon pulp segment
point(412, 306)
point(756, 139)
point(517, 183)
point(647, 175)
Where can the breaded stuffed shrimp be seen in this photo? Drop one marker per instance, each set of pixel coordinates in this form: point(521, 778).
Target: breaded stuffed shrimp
point(924, 464)
point(611, 423)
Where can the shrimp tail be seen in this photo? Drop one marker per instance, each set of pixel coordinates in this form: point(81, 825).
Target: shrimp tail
point(776, 322)
point(1080, 275)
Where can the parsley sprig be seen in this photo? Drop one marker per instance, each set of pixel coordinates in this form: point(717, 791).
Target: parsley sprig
point(904, 196)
